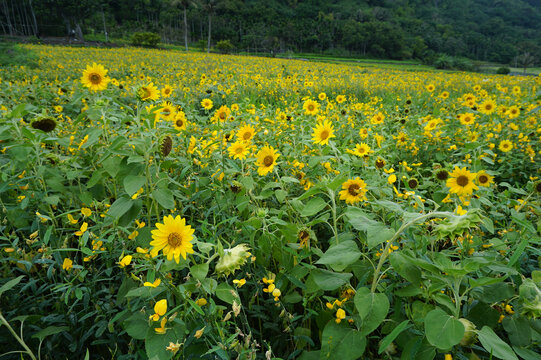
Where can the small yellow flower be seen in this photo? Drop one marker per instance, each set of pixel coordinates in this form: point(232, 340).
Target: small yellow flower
point(71, 219)
point(173, 347)
point(340, 315)
point(126, 260)
point(161, 330)
point(201, 302)
point(82, 230)
point(240, 282)
point(199, 333)
point(154, 284)
point(391, 179)
point(67, 265)
point(276, 293)
point(86, 212)
point(448, 357)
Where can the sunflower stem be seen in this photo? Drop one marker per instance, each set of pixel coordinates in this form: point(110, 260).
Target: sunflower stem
point(20, 340)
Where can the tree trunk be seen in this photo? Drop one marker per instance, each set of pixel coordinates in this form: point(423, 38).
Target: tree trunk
point(34, 21)
point(185, 29)
point(104, 28)
point(210, 27)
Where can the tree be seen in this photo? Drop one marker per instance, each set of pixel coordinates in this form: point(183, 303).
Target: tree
point(525, 60)
point(210, 8)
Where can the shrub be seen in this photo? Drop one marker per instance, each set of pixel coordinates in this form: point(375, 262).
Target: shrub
point(504, 70)
point(202, 45)
point(145, 39)
point(224, 46)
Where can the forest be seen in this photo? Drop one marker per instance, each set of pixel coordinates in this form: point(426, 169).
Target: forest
point(485, 30)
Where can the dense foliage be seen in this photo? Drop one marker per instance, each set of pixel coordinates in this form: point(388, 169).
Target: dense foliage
point(477, 29)
point(167, 204)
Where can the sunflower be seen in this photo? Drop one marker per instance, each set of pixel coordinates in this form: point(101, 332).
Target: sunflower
point(222, 114)
point(505, 146)
point(442, 175)
point(167, 91)
point(354, 190)
point(148, 92)
point(430, 88)
point(461, 182)
point(94, 77)
point(340, 99)
point(322, 96)
point(413, 183)
point(380, 163)
point(207, 104)
point(310, 107)
point(173, 237)
point(378, 118)
point(363, 133)
point(487, 107)
point(238, 150)
point(484, 179)
point(167, 111)
point(246, 133)
point(266, 159)
point(360, 150)
point(467, 118)
point(323, 133)
point(166, 145)
point(513, 112)
point(45, 124)
point(179, 122)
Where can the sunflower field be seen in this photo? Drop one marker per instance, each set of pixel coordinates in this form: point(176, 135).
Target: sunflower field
point(162, 204)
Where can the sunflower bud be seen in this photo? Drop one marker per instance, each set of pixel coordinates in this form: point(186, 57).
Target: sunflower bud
point(45, 124)
point(232, 259)
point(166, 145)
point(470, 336)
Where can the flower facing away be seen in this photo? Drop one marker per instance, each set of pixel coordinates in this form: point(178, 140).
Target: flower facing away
point(94, 77)
point(173, 237)
point(354, 190)
point(323, 132)
point(233, 259)
point(461, 182)
point(266, 159)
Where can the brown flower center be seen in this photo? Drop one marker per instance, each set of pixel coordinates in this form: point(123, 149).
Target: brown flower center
point(462, 180)
point(95, 79)
point(324, 134)
point(483, 179)
point(247, 135)
point(353, 189)
point(179, 123)
point(174, 239)
point(268, 160)
point(310, 107)
point(239, 150)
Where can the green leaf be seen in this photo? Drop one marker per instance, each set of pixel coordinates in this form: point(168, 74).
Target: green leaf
point(339, 256)
point(137, 325)
point(155, 344)
point(494, 345)
point(120, 207)
point(527, 354)
point(405, 268)
point(200, 271)
point(225, 293)
point(518, 329)
point(376, 232)
point(10, 284)
point(313, 206)
point(50, 330)
point(164, 197)
point(390, 338)
point(133, 183)
point(328, 280)
point(339, 341)
point(280, 195)
point(442, 330)
point(372, 308)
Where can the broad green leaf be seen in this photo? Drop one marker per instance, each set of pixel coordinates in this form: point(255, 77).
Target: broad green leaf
point(494, 345)
point(339, 256)
point(372, 308)
point(200, 271)
point(133, 183)
point(137, 325)
point(120, 207)
point(313, 206)
point(405, 268)
point(518, 329)
point(376, 232)
point(527, 354)
point(339, 341)
point(442, 330)
point(164, 197)
point(156, 344)
point(328, 280)
point(225, 293)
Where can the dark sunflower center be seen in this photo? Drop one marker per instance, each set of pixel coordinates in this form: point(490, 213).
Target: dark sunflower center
point(239, 150)
point(324, 134)
point(174, 239)
point(303, 235)
point(442, 175)
point(268, 160)
point(353, 189)
point(483, 179)
point(166, 112)
point(310, 107)
point(222, 115)
point(145, 93)
point(95, 79)
point(538, 187)
point(179, 123)
point(462, 180)
point(488, 106)
point(247, 135)
point(380, 164)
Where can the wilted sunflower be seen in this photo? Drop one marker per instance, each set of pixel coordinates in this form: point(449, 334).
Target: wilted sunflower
point(442, 175)
point(537, 186)
point(148, 92)
point(310, 107)
point(354, 190)
point(461, 182)
point(380, 163)
point(166, 145)
point(413, 183)
point(173, 237)
point(94, 77)
point(484, 179)
point(45, 124)
point(246, 133)
point(266, 159)
point(323, 133)
point(238, 150)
